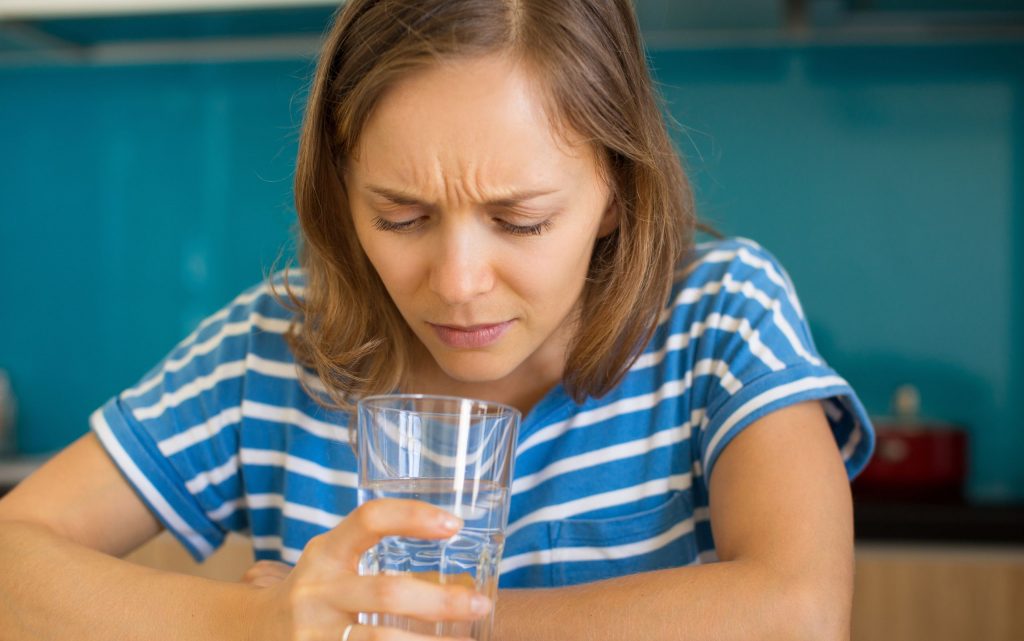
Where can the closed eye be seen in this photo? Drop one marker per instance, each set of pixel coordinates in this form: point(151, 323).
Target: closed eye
point(510, 228)
point(387, 225)
point(525, 230)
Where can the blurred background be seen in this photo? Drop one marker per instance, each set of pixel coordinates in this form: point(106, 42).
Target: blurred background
point(875, 146)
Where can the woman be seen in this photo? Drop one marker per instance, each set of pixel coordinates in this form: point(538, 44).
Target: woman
point(490, 207)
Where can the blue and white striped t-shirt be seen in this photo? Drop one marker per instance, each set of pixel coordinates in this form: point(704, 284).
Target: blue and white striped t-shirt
point(221, 436)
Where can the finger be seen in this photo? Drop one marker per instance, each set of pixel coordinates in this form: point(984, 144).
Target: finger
point(365, 526)
point(266, 573)
point(407, 595)
point(267, 569)
point(371, 633)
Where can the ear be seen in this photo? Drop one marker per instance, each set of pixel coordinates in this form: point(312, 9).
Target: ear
point(610, 219)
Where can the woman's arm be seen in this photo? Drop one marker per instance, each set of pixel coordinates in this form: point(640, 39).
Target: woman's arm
point(783, 525)
point(61, 532)
point(62, 529)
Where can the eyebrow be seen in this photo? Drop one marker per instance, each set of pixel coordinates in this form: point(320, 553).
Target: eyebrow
point(400, 197)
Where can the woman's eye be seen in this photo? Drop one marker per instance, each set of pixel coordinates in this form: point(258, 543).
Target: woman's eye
point(411, 225)
point(525, 230)
point(387, 225)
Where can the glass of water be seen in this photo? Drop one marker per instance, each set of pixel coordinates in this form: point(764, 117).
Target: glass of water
point(457, 454)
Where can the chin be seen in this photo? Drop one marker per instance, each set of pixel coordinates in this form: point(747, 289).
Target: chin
point(475, 368)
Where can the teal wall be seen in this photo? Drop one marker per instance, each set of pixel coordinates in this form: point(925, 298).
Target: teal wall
point(889, 180)
point(134, 202)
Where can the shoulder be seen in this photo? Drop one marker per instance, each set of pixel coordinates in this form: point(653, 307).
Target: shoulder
point(263, 308)
point(249, 330)
point(270, 298)
point(730, 259)
point(732, 304)
point(736, 276)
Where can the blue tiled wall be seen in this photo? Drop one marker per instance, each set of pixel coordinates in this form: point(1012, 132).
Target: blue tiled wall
point(889, 180)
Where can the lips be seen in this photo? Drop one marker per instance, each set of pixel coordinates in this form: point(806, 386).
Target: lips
point(475, 336)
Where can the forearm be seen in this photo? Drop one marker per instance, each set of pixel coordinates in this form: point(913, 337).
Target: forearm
point(53, 588)
point(720, 601)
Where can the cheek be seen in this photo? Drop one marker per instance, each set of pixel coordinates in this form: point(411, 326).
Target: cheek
point(552, 276)
point(400, 275)
point(393, 269)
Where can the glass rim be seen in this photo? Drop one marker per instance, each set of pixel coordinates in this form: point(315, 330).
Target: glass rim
point(376, 401)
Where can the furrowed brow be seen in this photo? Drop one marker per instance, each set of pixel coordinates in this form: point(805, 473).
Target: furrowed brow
point(394, 195)
point(400, 197)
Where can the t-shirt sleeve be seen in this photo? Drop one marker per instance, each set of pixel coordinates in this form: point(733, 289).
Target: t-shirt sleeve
point(758, 346)
point(175, 435)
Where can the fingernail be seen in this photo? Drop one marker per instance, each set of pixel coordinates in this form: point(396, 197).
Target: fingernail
point(451, 522)
point(480, 604)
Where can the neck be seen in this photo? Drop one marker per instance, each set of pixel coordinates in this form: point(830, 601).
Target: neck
point(522, 389)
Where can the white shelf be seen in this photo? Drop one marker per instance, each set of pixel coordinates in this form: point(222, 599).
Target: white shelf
point(45, 9)
point(91, 32)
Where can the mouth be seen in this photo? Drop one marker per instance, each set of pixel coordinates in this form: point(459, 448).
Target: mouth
point(474, 336)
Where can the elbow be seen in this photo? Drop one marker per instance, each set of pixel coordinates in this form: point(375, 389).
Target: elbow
point(816, 614)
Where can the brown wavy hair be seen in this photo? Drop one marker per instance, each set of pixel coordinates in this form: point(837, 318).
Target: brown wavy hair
point(590, 60)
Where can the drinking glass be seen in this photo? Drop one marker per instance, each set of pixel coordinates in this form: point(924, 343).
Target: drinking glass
point(457, 454)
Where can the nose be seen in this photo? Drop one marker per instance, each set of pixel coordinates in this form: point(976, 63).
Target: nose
point(461, 270)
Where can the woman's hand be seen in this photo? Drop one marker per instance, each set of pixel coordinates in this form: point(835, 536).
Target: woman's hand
point(322, 595)
point(264, 574)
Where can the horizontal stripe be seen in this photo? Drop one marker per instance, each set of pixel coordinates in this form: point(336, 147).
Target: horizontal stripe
point(217, 475)
point(728, 284)
point(226, 509)
point(708, 556)
point(279, 369)
point(251, 409)
point(275, 544)
point(199, 433)
point(594, 502)
point(632, 404)
point(745, 256)
point(145, 486)
point(290, 555)
point(766, 398)
point(624, 551)
point(241, 301)
point(297, 465)
point(721, 322)
point(223, 372)
point(292, 416)
point(291, 510)
point(267, 542)
point(605, 455)
point(292, 464)
point(191, 389)
point(673, 344)
point(239, 328)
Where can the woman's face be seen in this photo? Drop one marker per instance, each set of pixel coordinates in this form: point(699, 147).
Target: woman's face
point(479, 217)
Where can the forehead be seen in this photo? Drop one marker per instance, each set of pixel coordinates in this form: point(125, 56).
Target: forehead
point(475, 118)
